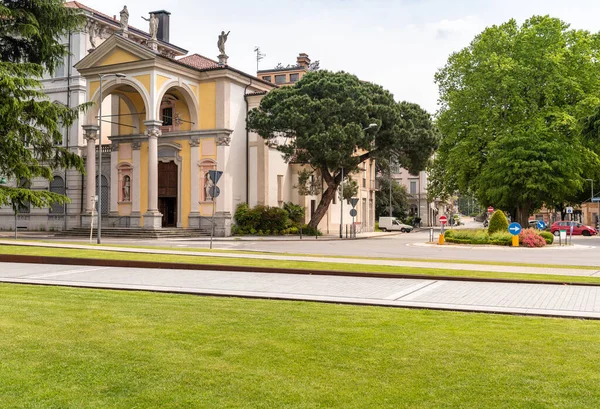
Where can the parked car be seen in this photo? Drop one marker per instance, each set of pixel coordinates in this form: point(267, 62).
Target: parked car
point(578, 228)
point(393, 224)
point(533, 224)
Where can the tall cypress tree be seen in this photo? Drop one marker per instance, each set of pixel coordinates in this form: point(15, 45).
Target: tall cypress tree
point(30, 125)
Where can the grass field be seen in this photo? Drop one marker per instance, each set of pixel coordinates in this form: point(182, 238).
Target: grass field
point(330, 266)
point(78, 348)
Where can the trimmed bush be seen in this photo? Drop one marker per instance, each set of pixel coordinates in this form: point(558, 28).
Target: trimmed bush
point(501, 238)
point(549, 237)
point(261, 220)
point(531, 238)
point(498, 222)
point(295, 213)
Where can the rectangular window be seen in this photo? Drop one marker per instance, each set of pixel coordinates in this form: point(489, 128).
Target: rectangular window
point(267, 78)
point(167, 116)
point(280, 79)
point(59, 71)
point(280, 188)
point(313, 207)
point(413, 187)
point(294, 77)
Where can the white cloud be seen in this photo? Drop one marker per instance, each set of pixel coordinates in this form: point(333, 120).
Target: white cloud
point(446, 28)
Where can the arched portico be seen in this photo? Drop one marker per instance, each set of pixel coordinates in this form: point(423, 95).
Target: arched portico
point(187, 101)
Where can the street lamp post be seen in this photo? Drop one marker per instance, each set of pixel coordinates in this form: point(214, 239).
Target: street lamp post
point(592, 199)
point(99, 177)
point(342, 195)
point(390, 168)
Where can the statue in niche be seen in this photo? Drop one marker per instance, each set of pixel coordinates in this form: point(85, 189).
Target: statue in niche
point(124, 19)
point(221, 42)
point(153, 29)
point(208, 188)
point(126, 188)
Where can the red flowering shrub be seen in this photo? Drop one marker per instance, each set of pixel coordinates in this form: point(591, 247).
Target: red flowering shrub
point(531, 238)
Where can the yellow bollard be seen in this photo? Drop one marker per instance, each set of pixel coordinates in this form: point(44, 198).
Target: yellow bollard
point(515, 241)
point(441, 239)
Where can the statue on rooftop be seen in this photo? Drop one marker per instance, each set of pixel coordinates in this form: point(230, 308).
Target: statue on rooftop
point(124, 19)
point(221, 42)
point(153, 20)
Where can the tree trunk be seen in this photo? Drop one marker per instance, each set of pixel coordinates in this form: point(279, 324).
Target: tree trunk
point(326, 199)
point(523, 216)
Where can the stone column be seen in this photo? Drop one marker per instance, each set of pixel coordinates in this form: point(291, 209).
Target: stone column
point(153, 218)
point(135, 184)
point(114, 179)
point(223, 202)
point(194, 217)
point(90, 135)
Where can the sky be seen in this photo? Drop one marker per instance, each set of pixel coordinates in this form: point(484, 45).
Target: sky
point(399, 44)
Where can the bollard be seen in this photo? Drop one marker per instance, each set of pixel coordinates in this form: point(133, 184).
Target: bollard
point(441, 239)
point(431, 235)
point(515, 241)
point(300, 232)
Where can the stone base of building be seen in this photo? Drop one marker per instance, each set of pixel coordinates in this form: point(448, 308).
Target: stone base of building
point(194, 220)
point(86, 220)
point(153, 220)
point(222, 227)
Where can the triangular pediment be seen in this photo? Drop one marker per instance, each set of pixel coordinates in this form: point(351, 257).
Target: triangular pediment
point(115, 50)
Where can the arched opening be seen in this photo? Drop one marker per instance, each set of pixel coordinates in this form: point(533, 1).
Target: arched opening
point(177, 108)
point(125, 106)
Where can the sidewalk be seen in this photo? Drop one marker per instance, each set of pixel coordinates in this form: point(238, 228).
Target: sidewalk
point(341, 260)
point(554, 300)
point(326, 237)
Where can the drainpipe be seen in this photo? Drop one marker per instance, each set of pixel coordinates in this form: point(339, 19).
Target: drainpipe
point(68, 130)
point(247, 147)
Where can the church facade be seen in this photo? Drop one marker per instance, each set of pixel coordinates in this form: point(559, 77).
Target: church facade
point(160, 121)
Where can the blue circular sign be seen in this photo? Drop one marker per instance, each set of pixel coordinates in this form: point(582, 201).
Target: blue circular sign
point(541, 225)
point(353, 212)
point(514, 228)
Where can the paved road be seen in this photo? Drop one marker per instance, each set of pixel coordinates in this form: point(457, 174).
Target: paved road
point(534, 299)
point(586, 251)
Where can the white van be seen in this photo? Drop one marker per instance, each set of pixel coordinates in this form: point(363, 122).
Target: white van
point(393, 224)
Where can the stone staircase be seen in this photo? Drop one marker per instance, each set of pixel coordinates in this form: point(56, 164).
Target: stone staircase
point(135, 233)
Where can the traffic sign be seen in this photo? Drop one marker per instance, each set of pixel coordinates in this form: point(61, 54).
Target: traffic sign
point(214, 191)
point(514, 228)
point(541, 225)
point(353, 201)
point(490, 209)
point(215, 175)
point(443, 219)
point(594, 199)
point(569, 210)
point(353, 212)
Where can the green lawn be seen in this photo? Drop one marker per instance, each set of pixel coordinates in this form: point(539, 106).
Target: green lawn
point(77, 348)
point(206, 250)
point(306, 265)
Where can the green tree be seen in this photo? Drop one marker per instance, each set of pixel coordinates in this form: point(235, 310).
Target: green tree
point(511, 104)
point(30, 125)
point(320, 122)
point(399, 199)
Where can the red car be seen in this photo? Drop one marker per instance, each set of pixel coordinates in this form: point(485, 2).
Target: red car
point(578, 228)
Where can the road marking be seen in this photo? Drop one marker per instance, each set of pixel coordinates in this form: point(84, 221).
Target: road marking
point(408, 290)
point(64, 273)
point(421, 291)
